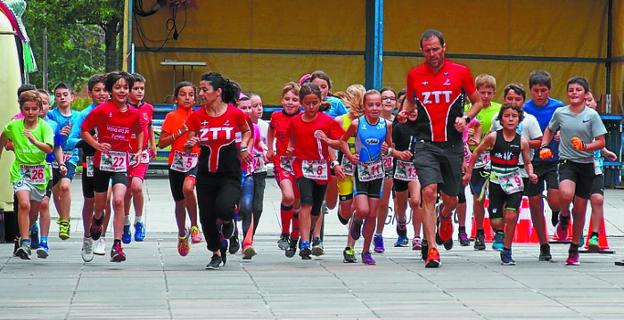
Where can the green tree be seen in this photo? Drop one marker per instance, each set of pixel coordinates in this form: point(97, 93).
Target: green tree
point(84, 38)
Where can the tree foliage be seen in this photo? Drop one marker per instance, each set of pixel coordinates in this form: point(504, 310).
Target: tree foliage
point(84, 38)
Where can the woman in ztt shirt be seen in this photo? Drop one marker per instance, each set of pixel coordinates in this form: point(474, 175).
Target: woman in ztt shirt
point(310, 134)
point(223, 135)
point(115, 122)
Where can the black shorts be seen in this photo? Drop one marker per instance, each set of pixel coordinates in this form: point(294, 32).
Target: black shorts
point(546, 173)
point(48, 192)
point(477, 180)
point(102, 179)
point(88, 184)
point(176, 182)
point(580, 173)
point(312, 193)
point(598, 185)
point(439, 163)
point(461, 196)
point(57, 176)
point(500, 201)
point(371, 189)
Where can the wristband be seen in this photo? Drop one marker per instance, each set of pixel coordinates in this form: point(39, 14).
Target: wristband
point(62, 165)
point(243, 149)
point(333, 164)
point(467, 118)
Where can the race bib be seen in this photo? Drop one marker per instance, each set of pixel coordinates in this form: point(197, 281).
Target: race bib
point(286, 163)
point(347, 166)
point(183, 162)
point(598, 162)
point(66, 156)
point(314, 169)
point(510, 182)
point(145, 157)
point(90, 166)
point(370, 171)
point(114, 161)
point(33, 174)
point(387, 164)
point(483, 160)
point(259, 164)
point(405, 171)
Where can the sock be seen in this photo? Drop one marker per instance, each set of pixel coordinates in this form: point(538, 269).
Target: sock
point(573, 247)
point(127, 223)
point(295, 226)
point(378, 234)
point(462, 228)
point(480, 232)
point(286, 214)
point(594, 234)
point(138, 219)
point(43, 239)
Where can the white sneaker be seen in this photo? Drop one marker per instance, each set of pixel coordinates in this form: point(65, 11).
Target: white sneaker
point(100, 247)
point(87, 250)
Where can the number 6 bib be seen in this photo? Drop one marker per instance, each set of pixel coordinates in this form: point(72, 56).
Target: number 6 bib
point(34, 174)
point(314, 169)
point(370, 171)
point(405, 171)
point(114, 161)
point(183, 162)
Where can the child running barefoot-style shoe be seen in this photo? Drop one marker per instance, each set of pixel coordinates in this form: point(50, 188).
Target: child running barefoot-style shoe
point(348, 255)
point(139, 231)
point(367, 258)
point(379, 244)
point(126, 237)
point(196, 235)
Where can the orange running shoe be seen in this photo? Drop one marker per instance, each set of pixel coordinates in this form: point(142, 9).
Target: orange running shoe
point(433, 258)
point(445, 229)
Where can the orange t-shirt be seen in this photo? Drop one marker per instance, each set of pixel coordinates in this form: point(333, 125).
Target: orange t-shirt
point(174, 121)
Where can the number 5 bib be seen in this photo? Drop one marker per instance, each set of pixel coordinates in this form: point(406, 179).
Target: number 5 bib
point(114, 161)
point(314, 169)
point(370, 171)
point(183, 162)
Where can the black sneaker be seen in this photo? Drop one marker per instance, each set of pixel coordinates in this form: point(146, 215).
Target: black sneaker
point(317, 247)
point(227, 229)
point(282, 243)
point(223, 250)
point(304, 250)
point(215, 263)
point(424, 249)
point(545, 252)
point(292, 248)
point(34, 236)
point(348, 255)
point(96, 230)
point(448, 245)
point(479, 242)
point(234, 244)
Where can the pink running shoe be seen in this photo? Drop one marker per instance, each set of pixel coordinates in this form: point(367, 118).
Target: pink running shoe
point(196, 235)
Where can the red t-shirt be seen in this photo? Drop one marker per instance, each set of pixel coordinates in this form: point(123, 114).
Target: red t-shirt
point(440, 98)
point(146, 111)
point(280, 122)
point(220, 139)
point(307, 146)
point(113, 127)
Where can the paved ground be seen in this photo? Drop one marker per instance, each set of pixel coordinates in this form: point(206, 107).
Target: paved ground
point(157, 283)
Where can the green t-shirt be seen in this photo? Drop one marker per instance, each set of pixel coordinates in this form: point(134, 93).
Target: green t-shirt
point(485, 116)
point(27, 153)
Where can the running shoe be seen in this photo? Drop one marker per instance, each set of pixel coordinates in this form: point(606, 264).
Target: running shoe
point(139, 231)
point(424, 250)
point(573, 258)
point(593, 244)
point(126, 237)
point(379, 244)
point(227, 229)
point(100, 247)
point(416, 243)
point(479, 243)
point(356, 228)
point(282, 243)
point(367, 258)
point(117, 254)
point(402, 241)
point(554, 218)
point(248, 252)
point(448, 244)
point(87, 250)
point(215, 263)
point(183, 245)
point(196, 235)
point(401, 230)
point(234, 244)
point(433, 258)
point(42, 250)
point(95, 230)
point(63, 229)
point(292, 248)
point(464, 241)
point(304, 250)
point(619, 263)
point(506, 258)
point(545, 252)
point(497, 242)
point(24, 250)
point(445, 229)
point(223, 250)
point(317, 247)
point(562, 228)
point(34, 236)
point(348, 255)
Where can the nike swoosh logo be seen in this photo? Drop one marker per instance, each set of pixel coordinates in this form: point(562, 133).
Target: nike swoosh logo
point(584, 121)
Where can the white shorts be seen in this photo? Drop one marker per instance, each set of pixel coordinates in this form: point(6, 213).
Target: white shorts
point(35, 193)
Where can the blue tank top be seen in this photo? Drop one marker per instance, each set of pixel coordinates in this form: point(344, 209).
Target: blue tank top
point(369, 139)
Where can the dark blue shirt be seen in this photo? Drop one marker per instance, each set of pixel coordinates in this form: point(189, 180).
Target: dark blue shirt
point(543, 115)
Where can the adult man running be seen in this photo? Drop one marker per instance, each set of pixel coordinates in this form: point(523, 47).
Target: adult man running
point(437, 88)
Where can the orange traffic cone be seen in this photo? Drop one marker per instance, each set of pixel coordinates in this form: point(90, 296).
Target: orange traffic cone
point(524, 228)
point(487, 228)
point(603, 244)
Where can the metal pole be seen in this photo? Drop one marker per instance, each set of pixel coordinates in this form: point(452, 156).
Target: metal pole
point(609, 54)
point(373, 54)
point(45, 59)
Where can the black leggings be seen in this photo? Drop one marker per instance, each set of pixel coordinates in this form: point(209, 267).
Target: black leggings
point(217, 195)
point(312, 193)
point(258, 198)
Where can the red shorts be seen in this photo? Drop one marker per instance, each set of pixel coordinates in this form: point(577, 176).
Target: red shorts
point(281, 174)
point(138, 171)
